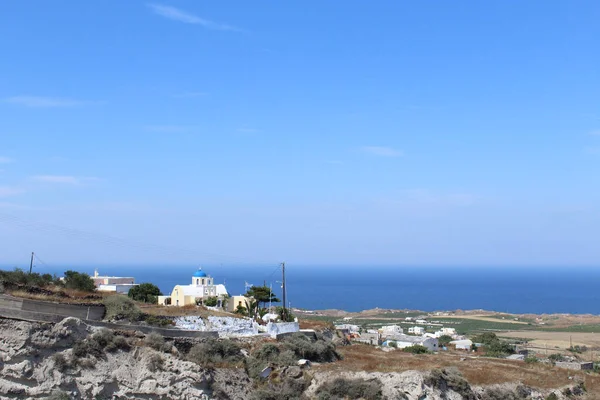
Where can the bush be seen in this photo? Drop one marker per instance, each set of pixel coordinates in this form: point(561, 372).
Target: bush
point(393, 344)
point(416, 349)
point(288, 389)
point(317, 351)
point(444, 340)
point(118, 343)
point(556, 357)
point(119, 307)
point(531, 359)
point(552, 396)
point(155, 362)
point(211, 301)
point(268, 354)
point(20, 277)
point(494, 347)
point(145, 292)
point(79, 281)
point(215, 351)
point(351, 389)
point(158, 321)
point(60, 362)
point(155, 341)
point(450, 378)
point(83, 348)
point(58, 395)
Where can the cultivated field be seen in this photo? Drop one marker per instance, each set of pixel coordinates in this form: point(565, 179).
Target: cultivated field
point(556, 340)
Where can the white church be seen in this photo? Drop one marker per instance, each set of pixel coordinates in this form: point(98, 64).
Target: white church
point(201, 288)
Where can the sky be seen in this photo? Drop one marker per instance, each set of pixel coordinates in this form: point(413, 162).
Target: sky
point(316, 133)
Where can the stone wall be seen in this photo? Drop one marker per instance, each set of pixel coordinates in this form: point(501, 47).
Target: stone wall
point(279, 328)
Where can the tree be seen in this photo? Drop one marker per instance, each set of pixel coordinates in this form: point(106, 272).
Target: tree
point(444, 340)
point(211, 301)
point(145, 292)
point(241, 310)
point(79, 281)
point(262, 294)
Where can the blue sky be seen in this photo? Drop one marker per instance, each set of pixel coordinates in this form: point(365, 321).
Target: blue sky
point(319, 133)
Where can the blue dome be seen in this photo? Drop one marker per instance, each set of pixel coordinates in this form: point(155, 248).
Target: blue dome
point(199, 274)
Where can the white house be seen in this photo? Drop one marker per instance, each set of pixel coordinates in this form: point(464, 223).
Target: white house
point(421, 321)
point(119, 284)
point(348, 327)
point(403, 341)
point(462, 344)
point(391, 330)
point(416, 330)
point(448, 331)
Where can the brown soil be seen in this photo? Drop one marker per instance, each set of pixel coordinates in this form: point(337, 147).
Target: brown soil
point(478, 371)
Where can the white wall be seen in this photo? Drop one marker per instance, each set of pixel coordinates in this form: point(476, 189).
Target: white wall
point(275, 329)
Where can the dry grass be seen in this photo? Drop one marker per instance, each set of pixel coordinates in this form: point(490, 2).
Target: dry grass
point(68, 296)
point(189, 310)
point(315, 324)
point(478, 371)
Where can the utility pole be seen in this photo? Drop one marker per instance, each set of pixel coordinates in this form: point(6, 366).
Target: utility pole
point(31, 263)
point(283, 294)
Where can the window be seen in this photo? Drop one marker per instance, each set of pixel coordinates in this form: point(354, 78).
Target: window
point(203, 281)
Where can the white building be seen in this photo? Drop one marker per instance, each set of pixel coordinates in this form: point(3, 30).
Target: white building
point(421, 321)
point(202, 287)
point(119, 284)
point(403, 341)
point(462, 344)
point(391, 330)
point(348, 327)
point(416, 330)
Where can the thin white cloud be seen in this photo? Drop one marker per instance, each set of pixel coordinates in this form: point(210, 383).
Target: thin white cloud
point(44, 102)
point(5, 160)
point(382, 151)
point(176, 14)
point(63, 179)
point(169, 128)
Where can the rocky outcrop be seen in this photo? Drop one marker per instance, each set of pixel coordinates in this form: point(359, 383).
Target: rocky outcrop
point(36, 360)
point(85, 362)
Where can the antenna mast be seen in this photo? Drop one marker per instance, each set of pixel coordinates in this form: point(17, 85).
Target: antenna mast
point(283, 290)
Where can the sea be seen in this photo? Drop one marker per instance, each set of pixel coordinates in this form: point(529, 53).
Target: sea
point(520, 290)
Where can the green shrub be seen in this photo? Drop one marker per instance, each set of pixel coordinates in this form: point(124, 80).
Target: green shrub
point(145, 292)
point(20, 277)
point(531, 360)
point(211, 301)
point(416, 349)
point(119, 307)
point(157, 321)
point(79, 281)
point(215, 351)
point(103, 337)
point(317, 351)
point(552, 396)
point(444, 340)
point(556, 357)
point(268, 354)
point(350, 389)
